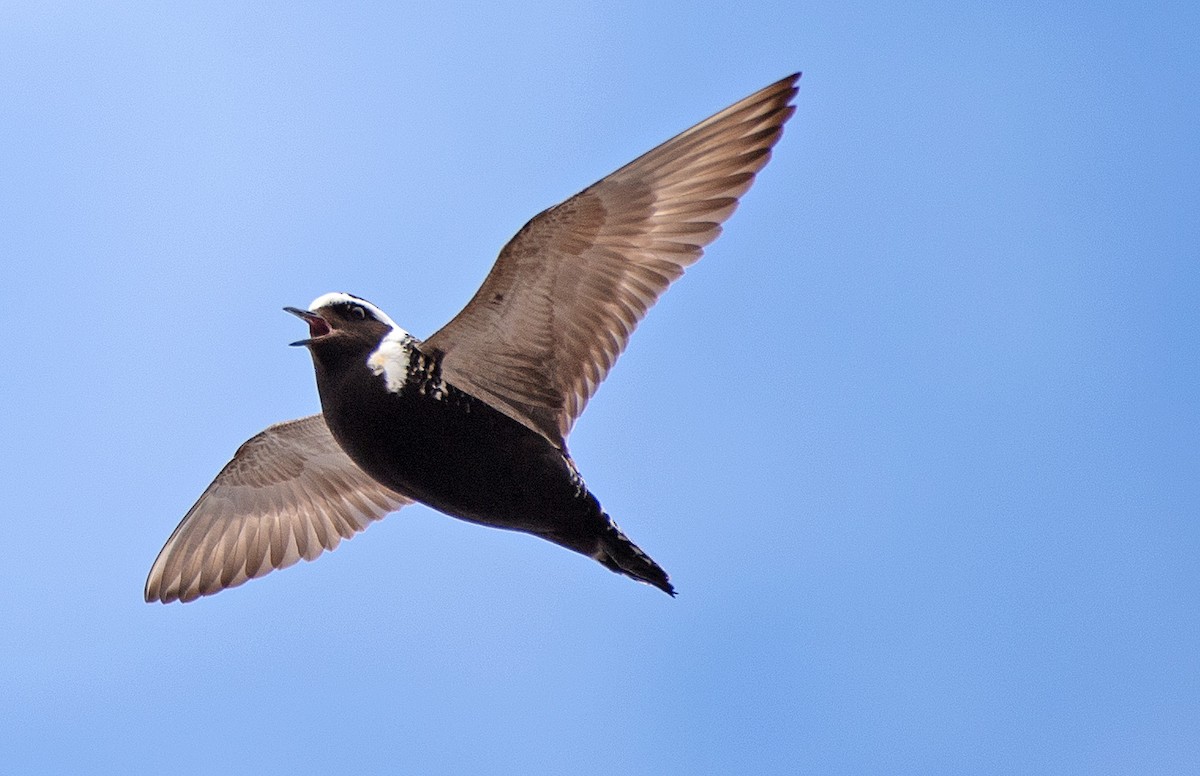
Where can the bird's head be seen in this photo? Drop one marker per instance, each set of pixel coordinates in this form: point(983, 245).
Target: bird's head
point(340, 322)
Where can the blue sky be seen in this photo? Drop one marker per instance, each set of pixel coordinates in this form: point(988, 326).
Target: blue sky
point(917, 439)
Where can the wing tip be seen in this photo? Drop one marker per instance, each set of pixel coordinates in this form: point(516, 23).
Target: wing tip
point(788, 85)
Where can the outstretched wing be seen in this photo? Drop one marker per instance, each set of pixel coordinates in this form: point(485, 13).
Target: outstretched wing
point(290, 492)
point(558, 307)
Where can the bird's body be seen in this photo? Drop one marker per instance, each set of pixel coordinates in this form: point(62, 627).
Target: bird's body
point(455, 453)
point(473, 421)
point(396, 417)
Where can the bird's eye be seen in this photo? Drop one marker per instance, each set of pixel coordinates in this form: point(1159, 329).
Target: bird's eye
point(358, 312)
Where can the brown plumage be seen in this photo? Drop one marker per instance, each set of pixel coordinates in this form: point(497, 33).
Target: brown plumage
point(559, 305)
point(289, 493)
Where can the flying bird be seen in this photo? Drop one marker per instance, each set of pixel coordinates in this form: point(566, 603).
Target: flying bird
point(473, 421)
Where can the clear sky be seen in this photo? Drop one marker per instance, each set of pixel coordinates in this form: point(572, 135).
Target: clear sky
point(917, 440)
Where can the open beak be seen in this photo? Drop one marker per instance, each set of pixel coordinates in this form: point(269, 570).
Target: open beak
point(317, 326)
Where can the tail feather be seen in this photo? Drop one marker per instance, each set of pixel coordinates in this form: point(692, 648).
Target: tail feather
point(617, 553)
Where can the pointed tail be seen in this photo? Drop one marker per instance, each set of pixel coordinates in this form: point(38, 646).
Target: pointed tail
point(617, 553)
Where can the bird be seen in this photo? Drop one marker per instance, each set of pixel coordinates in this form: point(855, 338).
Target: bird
point(473, 421)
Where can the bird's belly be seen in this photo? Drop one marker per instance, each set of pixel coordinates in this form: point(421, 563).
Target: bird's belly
point(462, 457)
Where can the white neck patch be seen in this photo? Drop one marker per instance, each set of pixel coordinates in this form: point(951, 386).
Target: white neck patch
point(390, 360)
